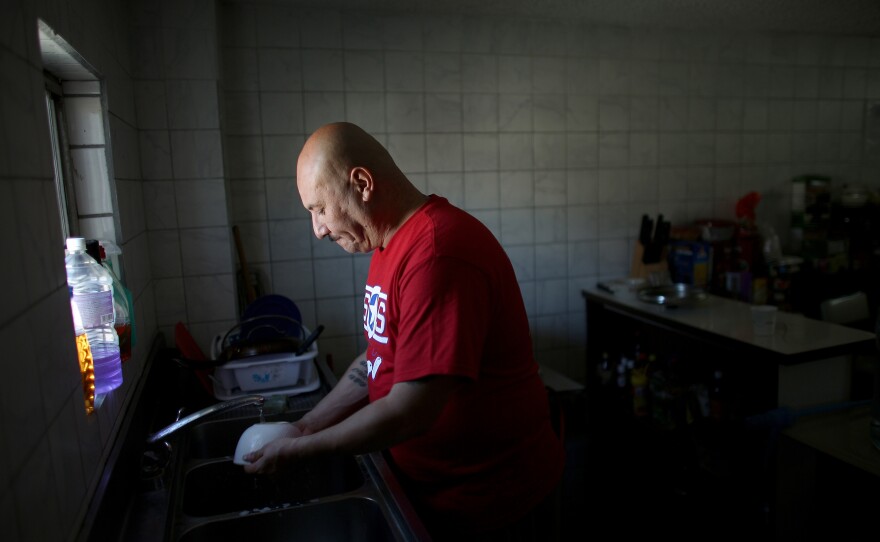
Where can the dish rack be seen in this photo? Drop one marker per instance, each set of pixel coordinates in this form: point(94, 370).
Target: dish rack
point(281, 373)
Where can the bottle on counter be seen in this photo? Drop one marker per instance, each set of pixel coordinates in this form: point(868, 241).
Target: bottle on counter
point(639, 380)
point(123, 306)
point(84, 355)
point(605, 370)
point(92, 290)
point(716, 396)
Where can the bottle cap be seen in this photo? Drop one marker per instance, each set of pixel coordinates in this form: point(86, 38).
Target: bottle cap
point(76, 243)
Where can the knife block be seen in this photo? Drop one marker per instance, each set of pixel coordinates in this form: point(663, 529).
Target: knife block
point(656, 273)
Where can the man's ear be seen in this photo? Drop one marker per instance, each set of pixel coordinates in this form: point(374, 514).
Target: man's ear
point(362, 180)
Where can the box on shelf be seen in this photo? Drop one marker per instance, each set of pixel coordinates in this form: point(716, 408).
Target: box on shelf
point(691, 262)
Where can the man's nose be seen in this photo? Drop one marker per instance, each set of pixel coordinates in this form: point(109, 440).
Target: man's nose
point(320, 230)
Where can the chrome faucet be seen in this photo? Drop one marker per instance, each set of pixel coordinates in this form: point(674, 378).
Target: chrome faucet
point(238, 402)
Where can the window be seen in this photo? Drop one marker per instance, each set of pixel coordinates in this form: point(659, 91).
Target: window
point(76, 104)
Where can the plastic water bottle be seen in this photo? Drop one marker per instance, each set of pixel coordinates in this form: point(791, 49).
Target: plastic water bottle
point(122, 320)
point(84, 353)
point(93, 294)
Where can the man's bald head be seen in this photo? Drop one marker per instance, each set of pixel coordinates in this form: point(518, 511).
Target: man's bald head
point(334, 149)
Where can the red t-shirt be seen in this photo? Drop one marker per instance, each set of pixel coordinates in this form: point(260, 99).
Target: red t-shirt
point(442, 299)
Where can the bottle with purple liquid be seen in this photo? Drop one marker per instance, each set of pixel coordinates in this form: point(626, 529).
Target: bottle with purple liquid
point(93, 292)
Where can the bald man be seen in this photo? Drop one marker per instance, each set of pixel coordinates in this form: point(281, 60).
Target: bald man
point(448, 383)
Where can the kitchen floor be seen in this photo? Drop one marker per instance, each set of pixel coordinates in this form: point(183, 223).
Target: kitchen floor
point(618, 484)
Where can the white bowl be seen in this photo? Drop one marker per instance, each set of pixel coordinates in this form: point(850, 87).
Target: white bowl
point(258, 435)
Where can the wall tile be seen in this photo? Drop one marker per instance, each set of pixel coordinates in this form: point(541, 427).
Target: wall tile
point(244, 156)
point(322, 70)
point(548, 74)
point(276, 26)
point(408, 151)
point(66, 461)
point(291, 239)
point(333, 277)
point(367, 110)
point(448, 185)
point(189, 53)
point(516, 151)
point(405, 71)
point(280, 155)
point(255, 239)
point(550, 225)
point(480, 152)
point(549, 150)
point(210, 298)
point(150, 108)
point(514, 74)
point(279, 69)
point(444, 152)
point(238, 25)
point(365, 71)
point(241, 69)
point(201, 203)
point(294, 279)
point(480, 112)
point(443, 112)
point(281, 113)
point(283, 201)
point(192, 105)
point(481, 190)
point(517, 227)
point(320, 29)
point(35, 496)
point(405, 112)
point(548, 113)
point(323, 107)
point(443, 33)
point(515, 113)
point(170, 301)
point(196, 154)
point(479, 73)
point(205, 251)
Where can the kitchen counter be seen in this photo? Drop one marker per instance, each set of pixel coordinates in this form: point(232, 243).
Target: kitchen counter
point(728, 323)
point(804, 363)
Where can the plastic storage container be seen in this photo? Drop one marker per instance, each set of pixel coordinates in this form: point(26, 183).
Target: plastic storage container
point(93, 293)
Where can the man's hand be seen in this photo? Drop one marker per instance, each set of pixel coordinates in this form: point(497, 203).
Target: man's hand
point(271, 458)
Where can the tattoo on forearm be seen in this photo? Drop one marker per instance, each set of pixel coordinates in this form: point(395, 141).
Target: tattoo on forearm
point(359, 375)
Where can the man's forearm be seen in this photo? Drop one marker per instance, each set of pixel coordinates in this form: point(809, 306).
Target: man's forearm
point(346, 397)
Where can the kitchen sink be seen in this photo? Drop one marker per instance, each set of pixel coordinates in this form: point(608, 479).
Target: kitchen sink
point(342, 497)
point(215, 439)
point(352, 519)
point(221, 487)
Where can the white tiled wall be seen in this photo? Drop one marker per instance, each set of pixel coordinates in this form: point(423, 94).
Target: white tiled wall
point(558, 135)
point(182, 164)
point(51, 454)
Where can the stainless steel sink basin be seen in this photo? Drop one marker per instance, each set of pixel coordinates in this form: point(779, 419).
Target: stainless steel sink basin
point(215, 439)
point(222, 487)
point(350, 498)
point(353, 519)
